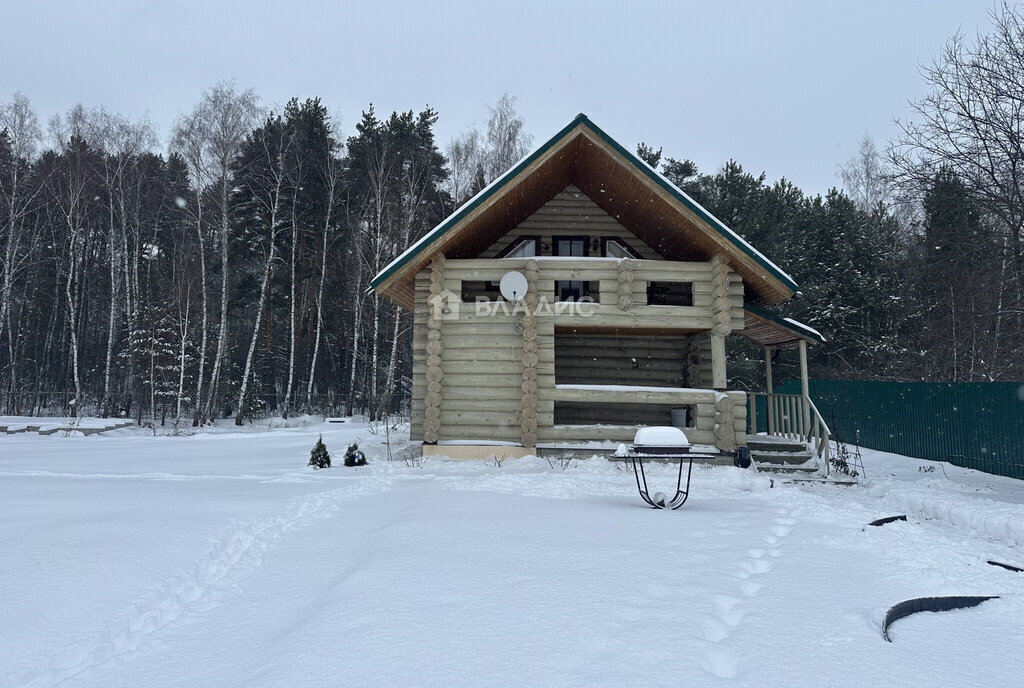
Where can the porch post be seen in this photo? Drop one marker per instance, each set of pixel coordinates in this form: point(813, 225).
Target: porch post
point(722, 312)
point(768, 388)
point(805, 388)
point(718, 377)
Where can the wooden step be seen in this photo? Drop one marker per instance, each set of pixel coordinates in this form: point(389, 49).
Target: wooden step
point(781, 457)
point(775, 444)
point(844, 482)
point(786, 468)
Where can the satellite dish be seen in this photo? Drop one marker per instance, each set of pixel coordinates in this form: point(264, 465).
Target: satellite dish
point(513, 286)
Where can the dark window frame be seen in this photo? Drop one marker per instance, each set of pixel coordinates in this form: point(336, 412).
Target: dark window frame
point(488, 288)
point(571, 237)
point(659, 291)
point(584, 288)
point(587, 289)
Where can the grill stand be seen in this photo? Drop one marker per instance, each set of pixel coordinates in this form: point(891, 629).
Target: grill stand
point(641, 480)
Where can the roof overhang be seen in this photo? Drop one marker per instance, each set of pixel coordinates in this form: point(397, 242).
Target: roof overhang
point(625, 187)
point(771, 330)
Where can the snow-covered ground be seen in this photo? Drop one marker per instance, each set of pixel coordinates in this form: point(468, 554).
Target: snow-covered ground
point(220, 559)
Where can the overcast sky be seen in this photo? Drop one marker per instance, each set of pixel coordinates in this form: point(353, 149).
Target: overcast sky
point(785, 87)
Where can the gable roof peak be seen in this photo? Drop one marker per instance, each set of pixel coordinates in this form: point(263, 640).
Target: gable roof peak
point(590, 158)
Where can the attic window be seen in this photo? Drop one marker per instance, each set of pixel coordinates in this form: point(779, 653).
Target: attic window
point(670, 293)
point(616, 248)
point(524, 248)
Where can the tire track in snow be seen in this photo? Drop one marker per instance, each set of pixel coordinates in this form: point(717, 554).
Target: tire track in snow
point(235, 556)
point(730, 609)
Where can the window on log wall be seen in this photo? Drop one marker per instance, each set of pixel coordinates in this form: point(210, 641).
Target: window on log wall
point(669, 293)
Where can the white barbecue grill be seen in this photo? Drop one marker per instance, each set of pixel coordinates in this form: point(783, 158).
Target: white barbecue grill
point(661, 443)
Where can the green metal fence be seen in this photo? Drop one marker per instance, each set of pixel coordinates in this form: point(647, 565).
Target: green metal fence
point(976, 425)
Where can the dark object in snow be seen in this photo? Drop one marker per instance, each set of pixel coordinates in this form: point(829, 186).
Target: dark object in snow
point(928, 604)
point(319, 457)
point(888, 519)
point(354, 457)
point(1008, 567)
point(742, 458)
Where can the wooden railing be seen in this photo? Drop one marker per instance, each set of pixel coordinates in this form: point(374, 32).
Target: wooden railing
point(794, 416)
point(819, 435)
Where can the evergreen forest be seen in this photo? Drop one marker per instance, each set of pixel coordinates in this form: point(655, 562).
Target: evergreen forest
point(224, 272)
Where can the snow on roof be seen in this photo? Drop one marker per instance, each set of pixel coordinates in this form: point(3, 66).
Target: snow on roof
point(800, 326)
point(795, 326)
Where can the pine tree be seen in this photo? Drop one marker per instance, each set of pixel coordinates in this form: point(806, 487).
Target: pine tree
point(648, 154)
point(319, 457)
point(354, 457)
point(957, 286)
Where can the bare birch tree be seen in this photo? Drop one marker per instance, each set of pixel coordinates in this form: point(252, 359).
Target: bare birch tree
point(263, 177)
point(224, 117)
point(466, 164)
point(70, 189)
point(20, 136)
point(190, 140)
point(972, 123)
point(120, 143)
point(507, 142)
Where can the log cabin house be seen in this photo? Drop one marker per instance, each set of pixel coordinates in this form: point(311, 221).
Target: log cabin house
point(632, 288)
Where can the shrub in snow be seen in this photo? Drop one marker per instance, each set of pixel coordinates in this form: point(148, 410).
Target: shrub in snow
point(253, 406)
point(319, 456)
point(354, 457)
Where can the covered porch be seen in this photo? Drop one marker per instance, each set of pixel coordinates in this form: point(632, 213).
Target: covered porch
point(788, 417)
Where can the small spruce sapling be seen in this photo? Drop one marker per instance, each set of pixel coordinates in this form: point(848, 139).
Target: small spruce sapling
point(354, 457)
point(319, 457)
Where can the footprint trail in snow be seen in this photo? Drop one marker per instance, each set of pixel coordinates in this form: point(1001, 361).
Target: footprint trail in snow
point(730, 610)
point(235, 556)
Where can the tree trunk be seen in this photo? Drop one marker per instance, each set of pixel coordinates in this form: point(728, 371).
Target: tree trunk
point(374, 355)
point(264, 290)
point(319, 299)
point(357, 328)
point(73, 317)
point(183, 331)
point(223, 334)
point(197, 417)
point(291, 313)
point(112, 321)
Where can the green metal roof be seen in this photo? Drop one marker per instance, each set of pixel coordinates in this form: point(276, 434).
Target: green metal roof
point(494, 187)
point(798, 328)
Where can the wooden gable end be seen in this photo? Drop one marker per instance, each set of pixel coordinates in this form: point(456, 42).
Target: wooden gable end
point(571, 213)
point(639, 199)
